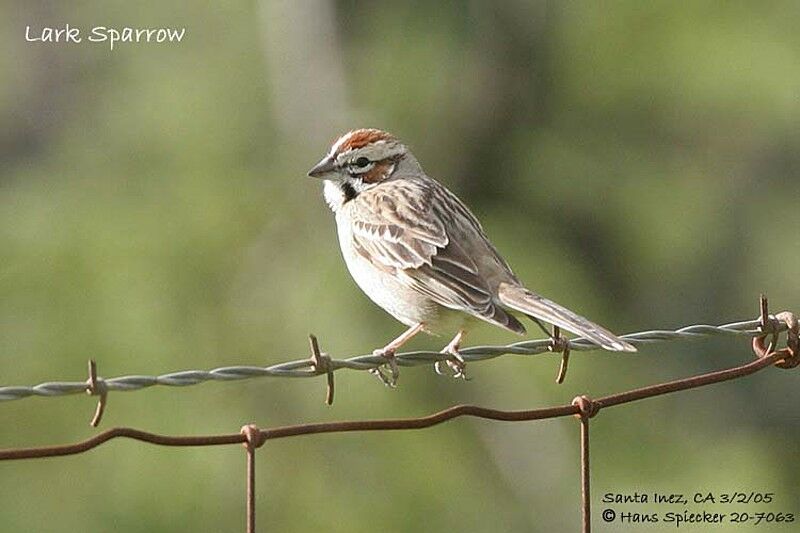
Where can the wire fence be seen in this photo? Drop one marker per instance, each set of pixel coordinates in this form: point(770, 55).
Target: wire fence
point(319, 363)
point(584, 408)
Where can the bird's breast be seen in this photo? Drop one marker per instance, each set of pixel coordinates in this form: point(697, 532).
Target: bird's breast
point(385, 287)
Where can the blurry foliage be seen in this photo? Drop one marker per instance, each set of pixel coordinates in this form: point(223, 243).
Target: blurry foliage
point(635, 161)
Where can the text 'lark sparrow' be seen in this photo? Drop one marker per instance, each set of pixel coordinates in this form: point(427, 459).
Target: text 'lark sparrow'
point(418, 252)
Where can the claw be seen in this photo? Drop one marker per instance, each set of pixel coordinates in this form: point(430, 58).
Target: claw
point(388, 353)
point(456, 363)
point(388, 379)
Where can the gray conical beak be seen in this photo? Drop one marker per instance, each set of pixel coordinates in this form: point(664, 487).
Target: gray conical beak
point(322, 168)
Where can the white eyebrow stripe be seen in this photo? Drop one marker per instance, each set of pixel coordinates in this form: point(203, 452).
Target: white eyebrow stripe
point(377, 151)
point(340, 141)
point(344, 154)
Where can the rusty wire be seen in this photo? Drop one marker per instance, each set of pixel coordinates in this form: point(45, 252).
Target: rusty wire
point(321, 364)
point(582, 407)
point(423, 422)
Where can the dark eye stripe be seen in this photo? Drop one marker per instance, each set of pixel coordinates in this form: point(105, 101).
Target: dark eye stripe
point(355, 168)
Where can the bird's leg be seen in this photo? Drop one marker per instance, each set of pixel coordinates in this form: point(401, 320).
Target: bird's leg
point(388, 353)
point(455, 362)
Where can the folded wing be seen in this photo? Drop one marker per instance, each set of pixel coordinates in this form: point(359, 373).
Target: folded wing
point(402, 231)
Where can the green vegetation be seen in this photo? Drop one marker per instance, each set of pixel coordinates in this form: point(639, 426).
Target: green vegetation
point(637, 162)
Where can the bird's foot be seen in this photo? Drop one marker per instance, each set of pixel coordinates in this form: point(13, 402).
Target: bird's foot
point(387, 378)
point(456, 364)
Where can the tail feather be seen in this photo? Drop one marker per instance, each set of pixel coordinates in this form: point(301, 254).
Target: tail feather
point(522, 300)
point(503, 318)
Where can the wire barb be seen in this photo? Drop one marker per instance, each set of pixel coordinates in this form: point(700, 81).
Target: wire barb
point(560, 344)
point(792, 339)
point(767, 323)
point(96, 387)
point(321, 365)
point(304, 368)
point(582, 407)
point(771, 326)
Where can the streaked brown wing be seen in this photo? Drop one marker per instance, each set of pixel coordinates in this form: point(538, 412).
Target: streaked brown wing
point(401, 227)
point(391, 228)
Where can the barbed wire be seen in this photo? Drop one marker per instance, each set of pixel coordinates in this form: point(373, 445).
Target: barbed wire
point(304, 368)
point(582, 405)
point(584, 408)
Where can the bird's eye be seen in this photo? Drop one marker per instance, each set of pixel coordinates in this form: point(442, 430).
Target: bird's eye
point(361, 162)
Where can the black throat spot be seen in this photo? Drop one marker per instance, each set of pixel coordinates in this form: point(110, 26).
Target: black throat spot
point(348, 190)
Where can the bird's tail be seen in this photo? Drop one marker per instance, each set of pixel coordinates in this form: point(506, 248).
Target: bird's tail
point(522, 300)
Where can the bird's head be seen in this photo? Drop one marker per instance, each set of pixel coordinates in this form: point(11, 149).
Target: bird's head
point(361, 159)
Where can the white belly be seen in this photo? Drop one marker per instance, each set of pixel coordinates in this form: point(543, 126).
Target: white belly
point(405, 304)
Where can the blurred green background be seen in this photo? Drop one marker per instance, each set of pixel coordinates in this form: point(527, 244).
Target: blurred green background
point(637, 162)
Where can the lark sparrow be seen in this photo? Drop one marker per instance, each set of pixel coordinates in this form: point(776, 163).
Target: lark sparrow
point(418, 252)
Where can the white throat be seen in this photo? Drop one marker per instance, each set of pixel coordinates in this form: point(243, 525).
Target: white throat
point(334, 195)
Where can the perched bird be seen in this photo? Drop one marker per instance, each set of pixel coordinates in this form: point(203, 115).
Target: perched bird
point(418, 252)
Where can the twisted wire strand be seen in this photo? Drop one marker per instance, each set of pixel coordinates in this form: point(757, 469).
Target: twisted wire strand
point(302, 368)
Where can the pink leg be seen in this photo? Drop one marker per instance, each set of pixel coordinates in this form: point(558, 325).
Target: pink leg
point(456, 362)
point(388, 353)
